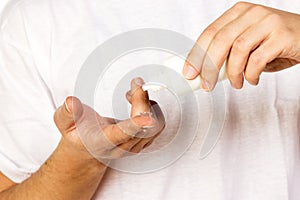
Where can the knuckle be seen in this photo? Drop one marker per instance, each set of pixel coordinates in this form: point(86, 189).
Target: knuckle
point(290, 40)
point(289, 36)
point(256, 58)
point(274, 19)
point(211, 30)
point(240, 45)
point(289, 45)
point(223, 35)
point(255, 9)
point(240, 4)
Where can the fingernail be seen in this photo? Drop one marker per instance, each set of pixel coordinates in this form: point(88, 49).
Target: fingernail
point(189, 72)
point(139, 81)
point(136, 83)
point(67, 107)
point(205, 85)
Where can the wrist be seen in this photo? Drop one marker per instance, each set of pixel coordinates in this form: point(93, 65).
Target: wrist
point(79, 159)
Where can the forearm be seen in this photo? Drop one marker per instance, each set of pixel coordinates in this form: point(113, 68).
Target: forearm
point(63, 176)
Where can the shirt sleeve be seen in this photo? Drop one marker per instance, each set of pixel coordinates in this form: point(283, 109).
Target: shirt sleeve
point(28, 134)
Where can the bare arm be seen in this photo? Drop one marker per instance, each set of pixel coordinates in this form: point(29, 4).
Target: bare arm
point(62, 176)
point(5, 182)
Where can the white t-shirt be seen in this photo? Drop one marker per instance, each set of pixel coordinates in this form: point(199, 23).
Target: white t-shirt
point(2, 4)
point(44, 44)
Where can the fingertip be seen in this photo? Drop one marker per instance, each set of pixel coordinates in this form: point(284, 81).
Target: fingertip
point(73, 106)
point(236, 86)
point(254, 82)
point(136, 83)
point(64, 117)
point(205, 85)
point(68, 104)
point(252, 78)
point(237, 82)
point(189, 72)
point(138, 98)
point(209, 77)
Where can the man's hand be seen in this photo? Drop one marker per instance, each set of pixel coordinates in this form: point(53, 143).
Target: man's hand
point(104, 138)
point(73, 171)
point(253, 38)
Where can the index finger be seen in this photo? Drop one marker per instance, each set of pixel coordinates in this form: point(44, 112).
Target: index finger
point(194, 61)
point(125, 130)
point(140, 103)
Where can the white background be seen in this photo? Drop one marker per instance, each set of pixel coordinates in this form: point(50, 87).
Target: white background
point(2, 4)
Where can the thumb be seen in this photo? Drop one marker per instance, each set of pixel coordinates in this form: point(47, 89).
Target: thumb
point(67, 114)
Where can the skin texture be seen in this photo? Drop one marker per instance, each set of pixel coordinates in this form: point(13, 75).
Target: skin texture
point(253, 39)
point(72, 172)
point(5, 182)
